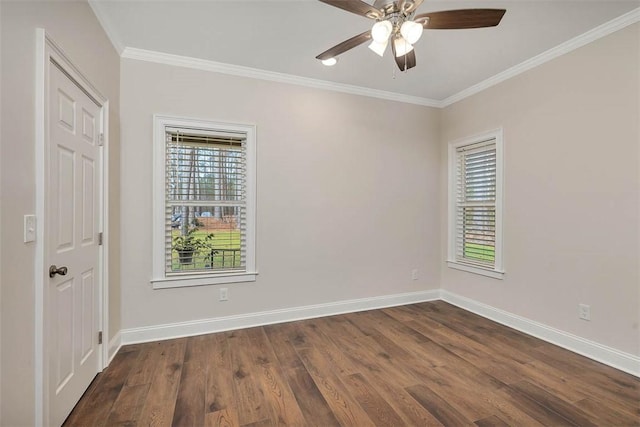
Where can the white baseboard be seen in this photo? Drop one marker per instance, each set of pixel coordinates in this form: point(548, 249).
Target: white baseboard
point(609, 356)
point(219, 324)
point(615, 358)
point(114, 346)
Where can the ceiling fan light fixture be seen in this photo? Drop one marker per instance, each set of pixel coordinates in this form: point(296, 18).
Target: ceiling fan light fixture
point(411, 31)
point(379, 47)
point(402, 47)
point(381, 31)
point(396, 22)
point(329, 62)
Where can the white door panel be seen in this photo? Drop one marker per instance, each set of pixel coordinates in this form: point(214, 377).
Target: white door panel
point(63, 181)
point(87, 295)
point(72, 306)
point(89, 232)
point(63, 300)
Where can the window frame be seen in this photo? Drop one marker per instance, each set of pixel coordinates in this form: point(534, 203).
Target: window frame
point(497, 271)
point(159, 280)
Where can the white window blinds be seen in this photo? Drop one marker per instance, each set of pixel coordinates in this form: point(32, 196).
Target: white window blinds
point(475, 204)
point(205, 201)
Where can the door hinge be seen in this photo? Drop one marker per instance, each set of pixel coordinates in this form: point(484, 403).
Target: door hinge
point(100, 239)
point(101, 140)
point(100, 337)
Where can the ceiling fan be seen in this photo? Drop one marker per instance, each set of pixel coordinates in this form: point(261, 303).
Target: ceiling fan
point(397, 22)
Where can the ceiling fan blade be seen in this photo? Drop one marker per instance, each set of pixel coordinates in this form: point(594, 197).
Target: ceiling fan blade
point(378, 4)
point(409, 5)
point(345, 46)
point(460, 19)
point(404, 62)
point(356, 6)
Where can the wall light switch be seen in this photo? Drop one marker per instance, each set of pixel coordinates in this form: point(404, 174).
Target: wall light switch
point(29, 228)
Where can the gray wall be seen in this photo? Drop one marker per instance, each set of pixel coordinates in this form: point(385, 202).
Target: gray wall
point(347, 193)
point(572, 191)
point(351, 190)
point(74, 27)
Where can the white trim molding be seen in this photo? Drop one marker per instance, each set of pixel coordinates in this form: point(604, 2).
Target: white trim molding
point(496, 270)
point(609, 356)
point(160, 279)
point(249, 320)
point(1, 210)
point(114, 345)
point(603, 30)
point(570, 45)
point(255, 73)
point(107, 26)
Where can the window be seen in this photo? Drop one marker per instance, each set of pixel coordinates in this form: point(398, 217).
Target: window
point(204, 202)
point(475, 204)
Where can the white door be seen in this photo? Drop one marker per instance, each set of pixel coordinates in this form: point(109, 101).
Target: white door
point(72, 243)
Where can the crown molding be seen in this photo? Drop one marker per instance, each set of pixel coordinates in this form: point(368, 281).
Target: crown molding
point(590, 36)
point(106, 26)
point(255, 73)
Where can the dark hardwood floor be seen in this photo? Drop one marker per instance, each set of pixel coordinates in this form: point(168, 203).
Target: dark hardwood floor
point(422, 364)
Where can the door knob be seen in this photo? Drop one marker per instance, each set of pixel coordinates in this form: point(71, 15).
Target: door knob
point(53, 270)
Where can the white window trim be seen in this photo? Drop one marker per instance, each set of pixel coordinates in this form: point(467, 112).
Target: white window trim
point(497, 272)
point(159, 280)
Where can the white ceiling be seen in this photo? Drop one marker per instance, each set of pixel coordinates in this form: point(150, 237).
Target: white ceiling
point(285, 36)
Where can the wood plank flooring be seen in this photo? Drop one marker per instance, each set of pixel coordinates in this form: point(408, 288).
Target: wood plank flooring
point(416, 365)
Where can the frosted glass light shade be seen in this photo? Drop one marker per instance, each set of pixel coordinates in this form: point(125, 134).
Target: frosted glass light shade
point(381, 31)
point(329, 62)
point(378, 47)
point(411, 31)
point(402, 46)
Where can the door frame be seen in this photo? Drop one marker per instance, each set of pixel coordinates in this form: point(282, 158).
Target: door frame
point(48, 53)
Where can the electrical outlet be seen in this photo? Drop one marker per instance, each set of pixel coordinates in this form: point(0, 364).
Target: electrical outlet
point(584, 311)
point(414, 274)
point(224, 294)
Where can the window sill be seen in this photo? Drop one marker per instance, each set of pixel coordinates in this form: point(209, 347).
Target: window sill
point(202, 280)
point(496, 274)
